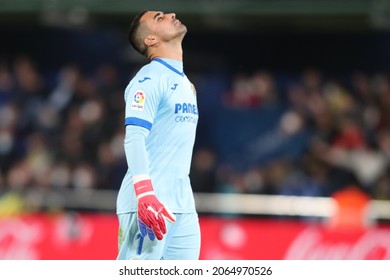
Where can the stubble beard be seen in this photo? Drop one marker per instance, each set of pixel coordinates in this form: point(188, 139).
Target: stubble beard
point(182, 32)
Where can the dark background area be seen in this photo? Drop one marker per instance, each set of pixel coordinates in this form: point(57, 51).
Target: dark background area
point(282, 39)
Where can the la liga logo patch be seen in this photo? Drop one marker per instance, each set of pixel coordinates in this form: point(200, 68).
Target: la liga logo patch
point(138, 102)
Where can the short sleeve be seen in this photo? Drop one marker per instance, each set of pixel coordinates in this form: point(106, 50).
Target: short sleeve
point(142, 98)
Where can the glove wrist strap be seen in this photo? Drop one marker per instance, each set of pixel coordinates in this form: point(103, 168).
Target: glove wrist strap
point(142, 186)
point(145, 194)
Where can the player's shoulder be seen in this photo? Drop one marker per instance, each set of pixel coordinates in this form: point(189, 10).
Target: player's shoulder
point(149, 73)
point(151, 78)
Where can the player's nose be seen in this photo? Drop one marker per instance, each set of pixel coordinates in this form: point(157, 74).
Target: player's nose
point(173, 15)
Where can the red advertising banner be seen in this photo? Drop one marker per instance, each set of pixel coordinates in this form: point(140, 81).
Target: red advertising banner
point(94, 237)
point(277, 239)
point(59, 237)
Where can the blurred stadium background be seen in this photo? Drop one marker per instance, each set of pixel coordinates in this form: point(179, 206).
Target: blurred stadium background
point(292, 153)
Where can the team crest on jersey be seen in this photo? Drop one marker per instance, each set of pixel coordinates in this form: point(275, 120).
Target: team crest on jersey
point(138, 102)
point(193, 88)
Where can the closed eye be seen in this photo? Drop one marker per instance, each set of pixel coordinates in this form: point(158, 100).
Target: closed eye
point(158, 16)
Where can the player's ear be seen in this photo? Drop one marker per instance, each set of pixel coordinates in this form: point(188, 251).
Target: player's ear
point(150, 40)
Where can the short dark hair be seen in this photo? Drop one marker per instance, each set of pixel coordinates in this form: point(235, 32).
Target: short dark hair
point(134, 36)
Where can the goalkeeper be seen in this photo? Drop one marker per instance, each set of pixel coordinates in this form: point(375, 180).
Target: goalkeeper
point(155, 204)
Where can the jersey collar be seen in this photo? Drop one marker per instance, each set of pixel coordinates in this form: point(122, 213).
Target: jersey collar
point(172, 65)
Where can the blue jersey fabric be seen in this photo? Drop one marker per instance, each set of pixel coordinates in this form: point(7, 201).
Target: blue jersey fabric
point(161, 104)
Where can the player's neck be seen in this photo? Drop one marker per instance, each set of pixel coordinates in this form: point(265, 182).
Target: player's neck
point(174, 52)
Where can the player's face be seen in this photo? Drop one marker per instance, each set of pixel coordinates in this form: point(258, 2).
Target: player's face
point(165, 26)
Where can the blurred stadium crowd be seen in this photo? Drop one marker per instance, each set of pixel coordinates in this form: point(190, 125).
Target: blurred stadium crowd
point(302, 134)
point(65, 135)
point(327, 133)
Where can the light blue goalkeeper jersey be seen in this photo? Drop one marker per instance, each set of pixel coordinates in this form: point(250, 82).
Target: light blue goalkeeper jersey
point(161, 100)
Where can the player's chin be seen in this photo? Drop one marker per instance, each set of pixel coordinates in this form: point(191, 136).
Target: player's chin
point(183, 30)
point(180, 34)
point(181, 26)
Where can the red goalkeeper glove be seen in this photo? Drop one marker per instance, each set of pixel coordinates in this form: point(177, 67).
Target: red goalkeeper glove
point(151, 212)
